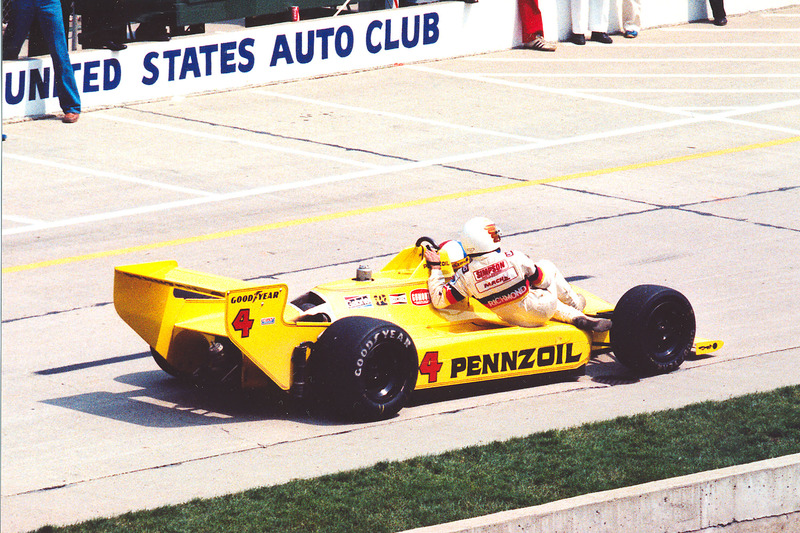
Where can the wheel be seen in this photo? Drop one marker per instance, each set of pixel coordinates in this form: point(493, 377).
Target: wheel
point(653, 329)
point(364, 368)
point(161, 361)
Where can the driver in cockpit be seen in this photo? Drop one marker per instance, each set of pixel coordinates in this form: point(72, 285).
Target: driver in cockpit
point(519, 291)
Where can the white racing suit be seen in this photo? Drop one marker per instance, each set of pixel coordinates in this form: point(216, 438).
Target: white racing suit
point(521, 292)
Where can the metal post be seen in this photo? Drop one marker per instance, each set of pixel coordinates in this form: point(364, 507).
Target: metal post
point(74, 31)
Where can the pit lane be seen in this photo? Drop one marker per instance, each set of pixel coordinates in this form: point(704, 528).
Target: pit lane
point(670, 159)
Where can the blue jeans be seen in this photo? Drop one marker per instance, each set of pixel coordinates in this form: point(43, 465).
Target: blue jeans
point(48, 13)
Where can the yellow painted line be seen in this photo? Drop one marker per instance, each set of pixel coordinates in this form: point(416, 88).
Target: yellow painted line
point(390, 207)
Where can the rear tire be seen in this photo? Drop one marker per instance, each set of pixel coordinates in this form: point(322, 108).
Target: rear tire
point(162, 363)
point(653, 329)
point(364, 368)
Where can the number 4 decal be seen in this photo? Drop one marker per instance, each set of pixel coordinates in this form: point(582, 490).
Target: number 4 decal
point(243, 323)
point(430, 366)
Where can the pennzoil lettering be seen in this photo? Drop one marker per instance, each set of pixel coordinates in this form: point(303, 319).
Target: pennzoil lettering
point(499, 362)
point(255, 297)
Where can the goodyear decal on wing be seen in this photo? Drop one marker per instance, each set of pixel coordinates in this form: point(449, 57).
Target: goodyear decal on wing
point(255, 297)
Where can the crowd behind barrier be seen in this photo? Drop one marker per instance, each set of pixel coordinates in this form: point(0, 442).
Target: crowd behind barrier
point(253, 49)
point(113, 23)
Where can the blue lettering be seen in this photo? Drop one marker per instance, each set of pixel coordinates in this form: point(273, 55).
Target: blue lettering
point(390, 44)
point(208, 51)
point(39, 85)
point(342, 34)
point(228, 58)
point(324, 34)
point(151, 68)
point(171, 55)
point(430, 28)
point(12, 98)
point(89, 77)
point(304, 57)
point(190, 64)
point(112, 74)
point(281, 51)
point(247, 55)
point(410, 42)
point(373, 48)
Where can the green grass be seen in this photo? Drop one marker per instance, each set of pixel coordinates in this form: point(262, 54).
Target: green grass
point(485, 479)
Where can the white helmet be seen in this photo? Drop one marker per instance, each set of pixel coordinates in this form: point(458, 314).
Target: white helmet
point(454, 253)
point(480, 236)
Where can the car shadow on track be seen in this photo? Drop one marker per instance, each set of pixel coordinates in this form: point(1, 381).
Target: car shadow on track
point(154, 399)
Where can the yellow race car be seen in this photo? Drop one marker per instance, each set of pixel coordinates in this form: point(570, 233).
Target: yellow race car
point(363, 345)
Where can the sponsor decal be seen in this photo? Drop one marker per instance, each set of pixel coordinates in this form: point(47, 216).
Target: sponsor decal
point(398, 299)
point(705, 347)
point(500, 279)
point(255, 297)
point(480, 365)
point(489, 271)
point(357, 302)
point(507, 296)
point(420, 297)
point(390, 299)
point(268, 321)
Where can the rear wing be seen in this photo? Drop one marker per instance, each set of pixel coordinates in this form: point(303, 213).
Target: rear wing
point(152, 298)
point(166, 305)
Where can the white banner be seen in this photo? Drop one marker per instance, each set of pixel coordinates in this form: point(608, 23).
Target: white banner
point(265, 54)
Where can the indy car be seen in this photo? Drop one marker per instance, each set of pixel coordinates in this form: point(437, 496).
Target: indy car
point(363, 346)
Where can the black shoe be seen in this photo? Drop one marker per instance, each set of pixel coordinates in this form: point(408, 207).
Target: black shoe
point(577, 39)
point(115, 46)
point(601, 37)
point(720, 21)
point(597, 325)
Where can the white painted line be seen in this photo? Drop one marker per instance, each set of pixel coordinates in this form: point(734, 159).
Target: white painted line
point(105, 174)
point(21, 220)
point(398, 116)
point(725, 116)
point(527, 86)
point(691, 29)
point(687, 118)
point(692, 91)
point(550, 59)
point(630, 44)
point(402, 167)
point(626, 75)
point(224, 138)
point(702, 109)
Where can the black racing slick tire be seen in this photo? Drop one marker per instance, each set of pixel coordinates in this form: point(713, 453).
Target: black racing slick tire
point(653, 329)
point(364, 368)
point(162, 363)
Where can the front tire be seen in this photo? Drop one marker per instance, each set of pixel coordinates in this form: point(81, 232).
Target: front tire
point(364, 368)
point(653, 329)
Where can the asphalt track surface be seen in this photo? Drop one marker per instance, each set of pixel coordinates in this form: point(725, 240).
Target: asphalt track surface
point(670, 159)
